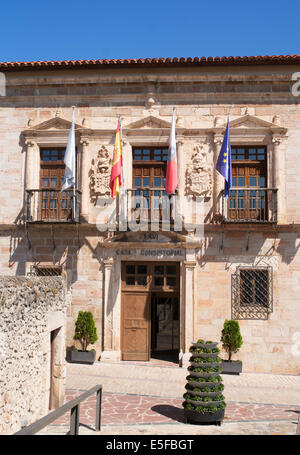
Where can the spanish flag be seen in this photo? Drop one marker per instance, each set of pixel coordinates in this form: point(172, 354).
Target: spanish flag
point(115, 176)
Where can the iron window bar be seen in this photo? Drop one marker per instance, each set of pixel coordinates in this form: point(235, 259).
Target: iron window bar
point(252, 292)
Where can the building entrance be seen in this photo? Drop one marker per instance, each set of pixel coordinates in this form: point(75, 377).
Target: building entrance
point(150, 311)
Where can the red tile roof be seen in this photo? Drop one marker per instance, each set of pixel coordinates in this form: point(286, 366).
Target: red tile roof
point(61, 64)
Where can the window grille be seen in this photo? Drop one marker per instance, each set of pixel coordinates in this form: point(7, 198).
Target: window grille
point(252, 293)
point(45, 270)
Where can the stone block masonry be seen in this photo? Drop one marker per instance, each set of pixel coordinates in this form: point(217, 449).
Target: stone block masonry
point(32, 313)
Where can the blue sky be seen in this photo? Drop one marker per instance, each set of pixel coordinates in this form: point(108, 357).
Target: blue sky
point(87, 29)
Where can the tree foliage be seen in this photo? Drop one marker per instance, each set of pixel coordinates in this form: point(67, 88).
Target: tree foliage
point(85, 329)
point(231, 337)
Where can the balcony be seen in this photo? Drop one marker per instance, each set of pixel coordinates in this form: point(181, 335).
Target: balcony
point(143, 206)
point(250, 205)
point(52, 206)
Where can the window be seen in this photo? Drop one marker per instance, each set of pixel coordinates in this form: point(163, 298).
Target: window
point(149, 167)
point(45, 270)
point(136, 275)
point(53, 204)
point(252, 293)
point(249, 170)
point(157, 277)
point(149, 179)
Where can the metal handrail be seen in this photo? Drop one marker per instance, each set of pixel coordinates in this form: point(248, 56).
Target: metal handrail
point(72, 405)
point(68, 190)
point(249, 188)
point(298, 425)
point(264, 209)
point(37, 212)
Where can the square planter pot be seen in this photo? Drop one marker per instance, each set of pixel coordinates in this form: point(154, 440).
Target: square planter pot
point(82, 357)
point(231, 367)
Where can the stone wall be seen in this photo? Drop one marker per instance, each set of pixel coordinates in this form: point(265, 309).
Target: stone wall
point(30, 309)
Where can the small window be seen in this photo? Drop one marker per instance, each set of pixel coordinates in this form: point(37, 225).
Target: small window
point(45, 270)
point(252, 293)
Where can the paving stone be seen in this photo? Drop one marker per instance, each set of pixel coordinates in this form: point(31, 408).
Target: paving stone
point(147, 399)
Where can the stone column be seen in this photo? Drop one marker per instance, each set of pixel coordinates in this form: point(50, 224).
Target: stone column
point(218, 180)
point(127, 164)
point(32, 176)
point(187, 310)
point(111, 312)
point(84, 178)
point(279, 177)
point(30, 165)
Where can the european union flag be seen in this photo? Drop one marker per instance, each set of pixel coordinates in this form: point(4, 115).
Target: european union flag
point(223, 165)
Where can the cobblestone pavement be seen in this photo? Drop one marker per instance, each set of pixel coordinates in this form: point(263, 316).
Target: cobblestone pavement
point(146, 398)
point(135, 414)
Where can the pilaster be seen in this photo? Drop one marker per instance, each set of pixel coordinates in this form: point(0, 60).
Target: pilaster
point(218, 184)
point(188, 303)
point(111, 312)
point(84, 180)
point(279, 177)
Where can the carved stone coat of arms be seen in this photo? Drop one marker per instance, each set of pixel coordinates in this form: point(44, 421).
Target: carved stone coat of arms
point(199, 175)
point(100, 174)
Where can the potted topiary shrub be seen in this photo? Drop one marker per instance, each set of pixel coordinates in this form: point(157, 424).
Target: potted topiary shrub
point(86, 333)
point(204, 402)
point(232, 341)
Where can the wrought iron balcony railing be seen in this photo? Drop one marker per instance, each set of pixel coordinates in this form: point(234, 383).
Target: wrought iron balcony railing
point(251, 205)
point(52, 206)
point(150, 205)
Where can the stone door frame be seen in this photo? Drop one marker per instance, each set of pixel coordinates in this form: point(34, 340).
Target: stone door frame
point(112, 301)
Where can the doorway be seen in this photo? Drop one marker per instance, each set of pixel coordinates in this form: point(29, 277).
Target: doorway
point(150, 311)
point(53, 337)
point(164, 326)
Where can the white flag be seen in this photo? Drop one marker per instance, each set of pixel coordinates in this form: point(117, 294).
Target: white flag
point(70, 159)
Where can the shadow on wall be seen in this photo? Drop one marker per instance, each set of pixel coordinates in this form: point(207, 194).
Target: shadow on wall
point(288, 246)
point(220, 246)
point(40, 246)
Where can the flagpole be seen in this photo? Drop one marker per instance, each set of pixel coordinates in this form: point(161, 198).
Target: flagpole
point(227, 201)
point(75, 173)
point(121, 135)
point(121, 192)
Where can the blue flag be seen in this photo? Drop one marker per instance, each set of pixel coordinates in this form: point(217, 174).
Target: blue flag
point(223, 165)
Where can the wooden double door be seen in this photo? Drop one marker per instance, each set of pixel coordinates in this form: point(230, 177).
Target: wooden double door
point(150, 310)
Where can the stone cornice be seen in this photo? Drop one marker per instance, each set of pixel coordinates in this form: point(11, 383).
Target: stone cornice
point(208, 228)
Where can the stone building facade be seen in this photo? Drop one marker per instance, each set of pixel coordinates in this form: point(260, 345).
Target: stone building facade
point(155, 291)
point(32, 349)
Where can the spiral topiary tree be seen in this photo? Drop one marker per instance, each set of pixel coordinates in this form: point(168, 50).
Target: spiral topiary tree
point(204, 402)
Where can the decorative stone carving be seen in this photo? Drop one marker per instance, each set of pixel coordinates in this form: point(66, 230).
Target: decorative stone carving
point(100, 173)
point(199, 174)
point(179, 121)
point(150, 100)
point(218, 121)
point(277, 140)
